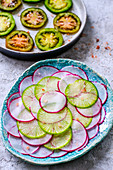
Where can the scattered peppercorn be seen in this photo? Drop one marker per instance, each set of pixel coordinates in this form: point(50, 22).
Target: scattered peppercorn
point(97, 40)
point(98, 47)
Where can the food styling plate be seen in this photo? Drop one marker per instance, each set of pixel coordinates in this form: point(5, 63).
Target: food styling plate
point(78, 8)
point(104, 128)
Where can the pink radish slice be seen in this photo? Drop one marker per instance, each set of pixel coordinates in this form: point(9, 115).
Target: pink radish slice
point(13, 96)
point(58, 153)
point(87, 140)
point(102, 90)
point(38, 141)
point(16, 143)
point(16, 108)
point(14, 131)
point(79, 136)
point(35, 106)
point(28, 148)
point(10, 124)
point(68, 79)
point(103, 114)
point(53, 102)
point(93, 132)
point(95, 121)
point(61, 74)
point(43, 72)
point(91, 111)
point(42, 152)
point(75, 70)
point(26, 82)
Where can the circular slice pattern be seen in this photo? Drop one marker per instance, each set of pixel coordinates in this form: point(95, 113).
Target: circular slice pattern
point(33, 18)
point(82, 93)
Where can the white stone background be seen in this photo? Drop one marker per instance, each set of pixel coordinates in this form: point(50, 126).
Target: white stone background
point(100, 16)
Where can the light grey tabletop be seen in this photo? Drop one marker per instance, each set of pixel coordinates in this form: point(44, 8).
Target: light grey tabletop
point(99, 26)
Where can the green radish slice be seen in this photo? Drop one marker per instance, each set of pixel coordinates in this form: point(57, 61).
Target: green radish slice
point(29, 99)
point(30, 129)
point(59, 141)
point(53, 102)
point(68, 79)
point(46, 84)
point(77, 116)
point(82, 93)
point(59, 127)
point(45, 117)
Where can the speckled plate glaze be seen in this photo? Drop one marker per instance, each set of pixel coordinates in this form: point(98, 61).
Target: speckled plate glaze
point(104, 128)
point(78, 8)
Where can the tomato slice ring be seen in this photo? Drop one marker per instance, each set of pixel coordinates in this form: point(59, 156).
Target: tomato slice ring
point(9, 5)
point(7, 23)
point(57, 6)
point(33, 17)
point(67, 22)
point(48, 39)
point(19, 41)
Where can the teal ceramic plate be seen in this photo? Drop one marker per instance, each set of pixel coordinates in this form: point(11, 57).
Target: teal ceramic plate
point(104, 128)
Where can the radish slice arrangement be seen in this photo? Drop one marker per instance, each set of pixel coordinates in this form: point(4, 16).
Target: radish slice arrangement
point(54, 112)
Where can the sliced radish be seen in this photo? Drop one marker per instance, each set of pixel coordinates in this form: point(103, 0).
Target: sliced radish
point(95, 121)
point(18, 111)
point(75, 70)
point(91, 111)
point(13, 96)
point(102, 90)
point(28, 148)
point(53, 102)
point(87, 140)
point(26, 82)
point(103, 114)
point(43, 72)
point(79, 137)
point(38, 141)
point(93, 132)
point(61, 74)
point(16, 143)
point(42, 152)
point(68, 79)
point(10, 124)
point(58, 153)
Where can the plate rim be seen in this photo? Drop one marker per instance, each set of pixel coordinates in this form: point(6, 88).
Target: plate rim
point(68, 158)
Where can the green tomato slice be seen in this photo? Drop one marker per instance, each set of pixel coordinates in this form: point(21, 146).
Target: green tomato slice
point(48, 39)
point(9, 5)
point(57, 6)
point(30, 129)
point(7, 23)
point(59, 141)
point(67, 23)
point(33, 18)
point(46, 84)
point(59, 127)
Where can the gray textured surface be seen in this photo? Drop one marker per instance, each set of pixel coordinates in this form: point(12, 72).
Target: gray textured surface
point(100, 17)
